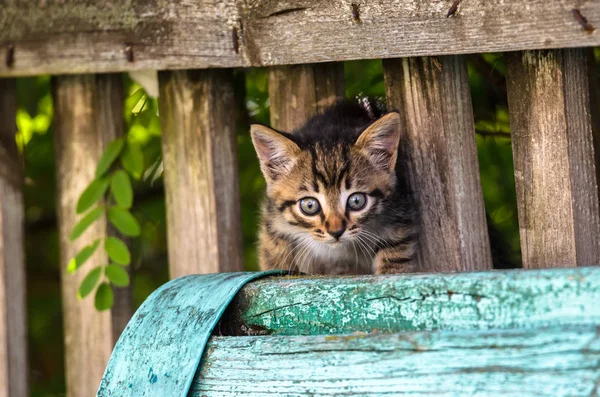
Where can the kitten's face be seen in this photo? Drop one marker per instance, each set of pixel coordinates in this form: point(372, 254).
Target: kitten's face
point(332, 196)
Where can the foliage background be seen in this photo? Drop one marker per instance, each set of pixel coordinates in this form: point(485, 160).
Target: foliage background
point(35, 141)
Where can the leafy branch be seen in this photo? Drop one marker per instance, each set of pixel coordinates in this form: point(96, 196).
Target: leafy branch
point(110, 194)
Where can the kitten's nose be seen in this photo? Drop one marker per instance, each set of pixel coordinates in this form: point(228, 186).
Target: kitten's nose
point(336, 233)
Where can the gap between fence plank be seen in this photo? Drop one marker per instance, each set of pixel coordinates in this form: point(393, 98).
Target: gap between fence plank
point(200, 171)
point(88, 115)
point(555, 175)
point(433, 97)
point(13, 319)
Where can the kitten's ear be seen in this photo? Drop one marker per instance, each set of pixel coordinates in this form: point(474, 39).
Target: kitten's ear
point(277, 153)
point(379, 142)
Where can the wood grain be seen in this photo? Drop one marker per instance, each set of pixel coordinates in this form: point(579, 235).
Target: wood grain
point(299, 92)
point(13, 315)
point(71, 36)
point(201, 175)
point(88, 115)
point(558, 361)
point(438, 147)
point(553, 153)
point(397, 303)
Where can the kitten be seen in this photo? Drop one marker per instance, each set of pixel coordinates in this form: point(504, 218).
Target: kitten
point(334, 202)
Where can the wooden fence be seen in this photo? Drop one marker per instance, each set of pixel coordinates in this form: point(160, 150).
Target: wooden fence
point(426, 79)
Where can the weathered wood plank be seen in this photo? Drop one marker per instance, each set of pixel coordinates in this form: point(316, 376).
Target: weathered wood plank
point(88, 115)
point(299, 92)
point(75, 37)
point(536, 362)
point(13, 317)
point(395, 303)
point(201, 175)
point(553, 151)
point(438, 145)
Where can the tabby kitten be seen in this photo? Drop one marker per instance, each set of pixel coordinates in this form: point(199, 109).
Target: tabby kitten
point(334, 202)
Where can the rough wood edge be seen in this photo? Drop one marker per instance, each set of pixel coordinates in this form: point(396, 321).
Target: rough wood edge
point(415, 302)
point(13, 315)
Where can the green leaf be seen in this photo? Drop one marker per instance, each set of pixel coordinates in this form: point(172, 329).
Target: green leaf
point(94, 192)
point(117, 275)
point(121, 189)
point(82, 256)
point(104, 298)
point(89, 282)
point(111, 153)
point(117, 250)
point(124, 221)
point(85, 222)
point(132, 160)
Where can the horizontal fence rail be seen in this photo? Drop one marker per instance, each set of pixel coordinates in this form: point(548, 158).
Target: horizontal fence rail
point(395, 303)
point(535, 362)
point(112, 36)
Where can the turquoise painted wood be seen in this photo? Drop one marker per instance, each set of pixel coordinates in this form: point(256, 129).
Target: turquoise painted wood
point(159, 350)
point(504, 333)
point(551, 362)
point(482, 300)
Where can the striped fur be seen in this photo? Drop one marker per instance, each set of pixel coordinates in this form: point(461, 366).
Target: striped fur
point(348, 149)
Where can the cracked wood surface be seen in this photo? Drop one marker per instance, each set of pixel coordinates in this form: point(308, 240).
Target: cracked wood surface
point(481, 300)
point(438, 146)
point(72, 36)
point(558, 361)
point(88, 115)
point(201, 173)
point(555, 174)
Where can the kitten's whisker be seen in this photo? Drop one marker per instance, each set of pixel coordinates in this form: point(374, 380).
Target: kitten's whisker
point(378, 238)
point(362, 247)
point(355, 256)
point(303, 254)
point(367, 245)
point(300, 244)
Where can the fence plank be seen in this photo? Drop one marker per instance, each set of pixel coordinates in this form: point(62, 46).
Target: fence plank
point(559, 361)
point(88, 115)
point(201, 176)
point(555, 174)
point(115, 35)
point(299, 92)
point(398, 303)
point(13, 327)
point(433, 97)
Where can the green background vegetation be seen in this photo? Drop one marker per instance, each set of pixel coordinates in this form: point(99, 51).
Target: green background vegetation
point(149, 254)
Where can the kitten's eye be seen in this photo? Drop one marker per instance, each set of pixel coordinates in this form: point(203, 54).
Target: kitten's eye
point(310, 206)
point(357, 201)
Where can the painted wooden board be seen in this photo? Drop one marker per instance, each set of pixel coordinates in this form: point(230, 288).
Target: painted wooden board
point(72, 36)
point(553, 153)
point(552, 362)
point(13, 316)
point(481, 300)
point(159, 350)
